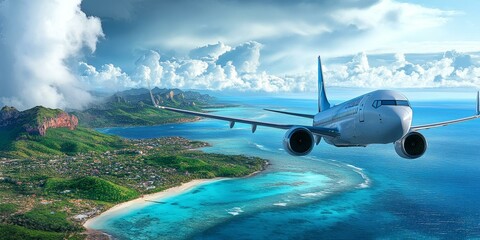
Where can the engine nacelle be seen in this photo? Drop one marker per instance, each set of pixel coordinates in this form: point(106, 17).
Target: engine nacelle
point(411, 146)
point(298, 141)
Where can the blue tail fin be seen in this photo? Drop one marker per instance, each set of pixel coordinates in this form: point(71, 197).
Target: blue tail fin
point(478, 103)
point(323, 103)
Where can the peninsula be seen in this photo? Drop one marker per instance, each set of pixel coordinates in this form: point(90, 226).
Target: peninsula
point(55, 174)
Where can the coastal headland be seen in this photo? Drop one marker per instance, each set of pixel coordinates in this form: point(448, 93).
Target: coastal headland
point(52, 181)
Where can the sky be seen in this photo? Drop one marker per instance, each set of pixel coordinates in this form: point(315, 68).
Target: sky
point(57, 52)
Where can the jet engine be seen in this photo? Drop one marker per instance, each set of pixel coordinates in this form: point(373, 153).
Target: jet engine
point(411, 146)
point(298, 141)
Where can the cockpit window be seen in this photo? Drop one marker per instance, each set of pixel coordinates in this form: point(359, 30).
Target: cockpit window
point(388, 102)
point(378, 103)
point(403, 103)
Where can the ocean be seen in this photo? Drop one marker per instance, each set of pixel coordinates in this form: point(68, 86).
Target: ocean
point(333, 193)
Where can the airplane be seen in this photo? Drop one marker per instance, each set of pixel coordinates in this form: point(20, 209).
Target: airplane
point(378, 117)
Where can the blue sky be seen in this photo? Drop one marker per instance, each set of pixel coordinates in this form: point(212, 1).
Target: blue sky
point(57, 52)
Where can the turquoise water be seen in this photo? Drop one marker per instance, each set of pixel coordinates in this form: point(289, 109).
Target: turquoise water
point(334, 193)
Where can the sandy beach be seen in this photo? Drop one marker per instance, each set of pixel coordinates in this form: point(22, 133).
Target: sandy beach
point(146, 199)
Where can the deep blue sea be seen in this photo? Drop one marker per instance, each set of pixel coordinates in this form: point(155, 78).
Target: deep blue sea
point(334, 193)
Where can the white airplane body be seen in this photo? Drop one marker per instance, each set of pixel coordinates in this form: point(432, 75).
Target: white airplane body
point(378, 117)
point(360, 124)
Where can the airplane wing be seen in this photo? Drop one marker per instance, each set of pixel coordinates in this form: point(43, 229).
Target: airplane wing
point(291, 113)
point(320, 131)
point(441, 124)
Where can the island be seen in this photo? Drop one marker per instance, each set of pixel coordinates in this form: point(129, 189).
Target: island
point(135, 108)
point(56, 173)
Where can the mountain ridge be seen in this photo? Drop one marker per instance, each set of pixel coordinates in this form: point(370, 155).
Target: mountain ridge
point(36, 120)
point(134, 107)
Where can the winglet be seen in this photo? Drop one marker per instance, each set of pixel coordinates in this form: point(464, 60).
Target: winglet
point(151, 95)
point(478, 102)
point(323, 103)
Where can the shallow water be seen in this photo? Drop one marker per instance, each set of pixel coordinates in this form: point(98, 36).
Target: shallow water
point(334, 193)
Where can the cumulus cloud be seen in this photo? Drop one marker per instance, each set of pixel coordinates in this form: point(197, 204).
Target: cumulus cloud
point(359, 64)
point(237, 69)
point(210, 51)
point(108, 77)
point(38, 40)
point(148, 68)
point(215, 67)
point(245, 57)
point(454, 69)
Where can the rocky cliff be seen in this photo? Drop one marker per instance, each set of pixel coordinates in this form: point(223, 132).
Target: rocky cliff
point(37, 120)
point(61, 120)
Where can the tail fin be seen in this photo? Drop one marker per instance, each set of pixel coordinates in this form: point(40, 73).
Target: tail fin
point(478, 103)
point(323, 103)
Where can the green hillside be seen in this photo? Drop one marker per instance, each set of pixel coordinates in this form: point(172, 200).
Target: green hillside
point(36, 115)
point(92, 188)
point(12, 232)
point(57, 141)
point(128, 114)
point(206, 166)
point(135, 108)
point(17, 142)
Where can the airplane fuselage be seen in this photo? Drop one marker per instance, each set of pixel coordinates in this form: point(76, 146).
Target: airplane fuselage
point(381, 116)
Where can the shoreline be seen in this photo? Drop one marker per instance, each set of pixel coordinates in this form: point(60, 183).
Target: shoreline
point(146, 199)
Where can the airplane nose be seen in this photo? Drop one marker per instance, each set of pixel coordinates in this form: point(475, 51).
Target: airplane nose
point(405, 114)
point(397, 122)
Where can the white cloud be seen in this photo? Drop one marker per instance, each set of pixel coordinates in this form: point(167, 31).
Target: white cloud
point(209, 52)
point(108, 77)
point(389, 23)
point(359, 64)
point(149, 69)
point(245, 57)
point(390, 13)
point(192, 68)
point(237, 70)
point(452, 70)
point(37, 40)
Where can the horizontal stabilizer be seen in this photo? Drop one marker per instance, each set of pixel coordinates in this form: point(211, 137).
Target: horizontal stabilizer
point(291, 113)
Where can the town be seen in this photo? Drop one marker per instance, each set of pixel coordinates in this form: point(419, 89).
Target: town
point(33, 187)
